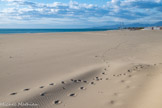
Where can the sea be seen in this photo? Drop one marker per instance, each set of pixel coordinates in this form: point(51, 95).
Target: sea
point(15, 31)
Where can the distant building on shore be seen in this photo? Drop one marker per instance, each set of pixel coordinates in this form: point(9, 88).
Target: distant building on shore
point(153, 28)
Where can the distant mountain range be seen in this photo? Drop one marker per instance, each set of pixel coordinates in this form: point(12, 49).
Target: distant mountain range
point(129, 25)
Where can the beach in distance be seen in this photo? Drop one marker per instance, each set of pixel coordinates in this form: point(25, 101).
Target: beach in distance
point(94, 69)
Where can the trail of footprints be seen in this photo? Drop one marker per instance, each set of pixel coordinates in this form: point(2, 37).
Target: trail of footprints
point(57, 101)
point(93, 82)
point(129, 74)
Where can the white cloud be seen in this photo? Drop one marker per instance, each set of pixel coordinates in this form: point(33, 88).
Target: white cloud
point(114, 4)
point(158, 1)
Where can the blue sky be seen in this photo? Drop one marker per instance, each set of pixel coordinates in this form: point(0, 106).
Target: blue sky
point(77, 13)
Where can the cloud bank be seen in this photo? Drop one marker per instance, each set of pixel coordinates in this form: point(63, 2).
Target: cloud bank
point(75, 14)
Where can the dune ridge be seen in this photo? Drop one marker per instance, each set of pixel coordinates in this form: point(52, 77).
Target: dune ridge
point(110, 69)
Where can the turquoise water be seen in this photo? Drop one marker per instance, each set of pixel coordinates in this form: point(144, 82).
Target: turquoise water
point(11, 31)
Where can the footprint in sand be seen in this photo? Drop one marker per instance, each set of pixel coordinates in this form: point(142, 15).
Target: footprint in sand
point(128, 86)
point(63, 82)
point(103, 73)
point(13, 93)
point(129, 75)
point(76, 81)
point(27, 89)
point(92, 83)
point(115, 94)
point(10, 57)
point(122, 81)
point(57, 102)
point(97, 79)
point(82, 88)
point(72, 94)
point(112, 102)
point(42, 94)
point(85, 81)
point(41, 87)
point(129, 70)
point(79, 80)
point(124, 73)
point(118, 75)
point(51, 84)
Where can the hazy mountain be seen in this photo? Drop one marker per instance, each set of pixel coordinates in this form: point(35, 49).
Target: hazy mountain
point(130, 25)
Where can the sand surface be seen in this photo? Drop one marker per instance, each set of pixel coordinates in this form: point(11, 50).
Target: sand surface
point(108, 69)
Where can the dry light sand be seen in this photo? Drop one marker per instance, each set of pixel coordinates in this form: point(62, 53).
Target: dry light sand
point(109, 69)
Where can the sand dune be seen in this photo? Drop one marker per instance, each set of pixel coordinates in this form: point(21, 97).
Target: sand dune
point(110, 69)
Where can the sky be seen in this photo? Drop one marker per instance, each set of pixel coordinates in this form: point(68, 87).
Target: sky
point(77, 13)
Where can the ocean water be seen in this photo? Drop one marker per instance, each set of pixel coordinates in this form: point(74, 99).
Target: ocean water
point(13, 31)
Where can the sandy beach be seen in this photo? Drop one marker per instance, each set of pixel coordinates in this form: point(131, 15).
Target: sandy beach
point(106, 69)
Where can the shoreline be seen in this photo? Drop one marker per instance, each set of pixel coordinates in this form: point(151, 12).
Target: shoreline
point(50, 31)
